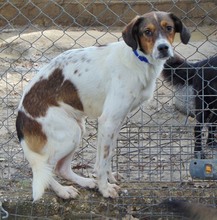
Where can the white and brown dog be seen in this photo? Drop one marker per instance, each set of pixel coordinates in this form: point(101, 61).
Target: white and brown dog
point(105, 82)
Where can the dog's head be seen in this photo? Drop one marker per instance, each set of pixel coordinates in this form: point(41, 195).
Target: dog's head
point(154, 32)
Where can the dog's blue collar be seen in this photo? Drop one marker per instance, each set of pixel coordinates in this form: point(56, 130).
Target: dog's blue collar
point(141, 58)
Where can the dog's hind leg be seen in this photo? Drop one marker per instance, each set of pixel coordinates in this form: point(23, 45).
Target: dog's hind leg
point(63, 169)
point(211, 139)
point(43, 176)
point(63, 165)
point(198, 153)
point(202, 114)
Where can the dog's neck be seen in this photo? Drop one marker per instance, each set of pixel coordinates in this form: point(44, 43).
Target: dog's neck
point(141, 58)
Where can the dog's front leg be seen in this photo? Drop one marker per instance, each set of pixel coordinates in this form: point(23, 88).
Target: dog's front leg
point(108, 130)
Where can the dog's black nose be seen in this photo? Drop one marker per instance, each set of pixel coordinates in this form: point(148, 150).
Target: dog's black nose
point(163, 48)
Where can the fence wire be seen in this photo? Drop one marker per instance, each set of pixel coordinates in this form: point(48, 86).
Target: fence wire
point(156, 142)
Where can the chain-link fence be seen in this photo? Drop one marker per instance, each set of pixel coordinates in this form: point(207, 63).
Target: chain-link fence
point(156, 142)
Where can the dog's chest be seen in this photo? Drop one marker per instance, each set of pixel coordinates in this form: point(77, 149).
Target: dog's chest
point(147, 84)
point(145, 93)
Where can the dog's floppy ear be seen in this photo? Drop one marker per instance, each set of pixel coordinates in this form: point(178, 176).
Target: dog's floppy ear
point(130, 32)
point(181, 28)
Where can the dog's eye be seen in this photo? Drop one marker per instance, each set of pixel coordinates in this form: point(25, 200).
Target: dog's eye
point(169, 28)
point(148, 33)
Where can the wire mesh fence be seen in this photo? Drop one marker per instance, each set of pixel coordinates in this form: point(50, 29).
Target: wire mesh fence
point(156, 142)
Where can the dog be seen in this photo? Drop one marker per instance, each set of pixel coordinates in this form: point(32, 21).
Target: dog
point(201, 77)
point(192, 211)
point(105, 82)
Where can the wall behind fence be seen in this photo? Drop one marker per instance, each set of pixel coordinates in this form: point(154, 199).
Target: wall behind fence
point(97, 13)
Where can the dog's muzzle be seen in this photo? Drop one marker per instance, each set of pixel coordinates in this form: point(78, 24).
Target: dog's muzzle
point(162, 50)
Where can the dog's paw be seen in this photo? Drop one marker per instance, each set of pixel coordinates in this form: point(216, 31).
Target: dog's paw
point(111, 190)
point(90, 183)
point(67, 192)
point(115, 177)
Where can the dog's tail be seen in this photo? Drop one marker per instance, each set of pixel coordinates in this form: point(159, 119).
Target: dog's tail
point(191, 211)
point(42, 171)
point(42, 175)
point(178, 72)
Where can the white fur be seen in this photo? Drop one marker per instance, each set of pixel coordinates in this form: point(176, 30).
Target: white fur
point(42, 171)
point(111, 82)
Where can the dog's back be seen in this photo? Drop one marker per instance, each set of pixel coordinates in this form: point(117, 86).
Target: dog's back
point(178, 71)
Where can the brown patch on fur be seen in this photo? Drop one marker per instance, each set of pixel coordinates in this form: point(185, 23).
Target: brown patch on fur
point(169, 34)
point(147, 42)
point(68, 94)
point(106, 151)
point(49, 92)
point(31, 131)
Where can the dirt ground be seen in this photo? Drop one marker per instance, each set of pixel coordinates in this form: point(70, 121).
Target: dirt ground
point(156, 141)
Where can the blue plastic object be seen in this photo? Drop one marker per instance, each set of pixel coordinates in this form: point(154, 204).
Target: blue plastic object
point(205, 169)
